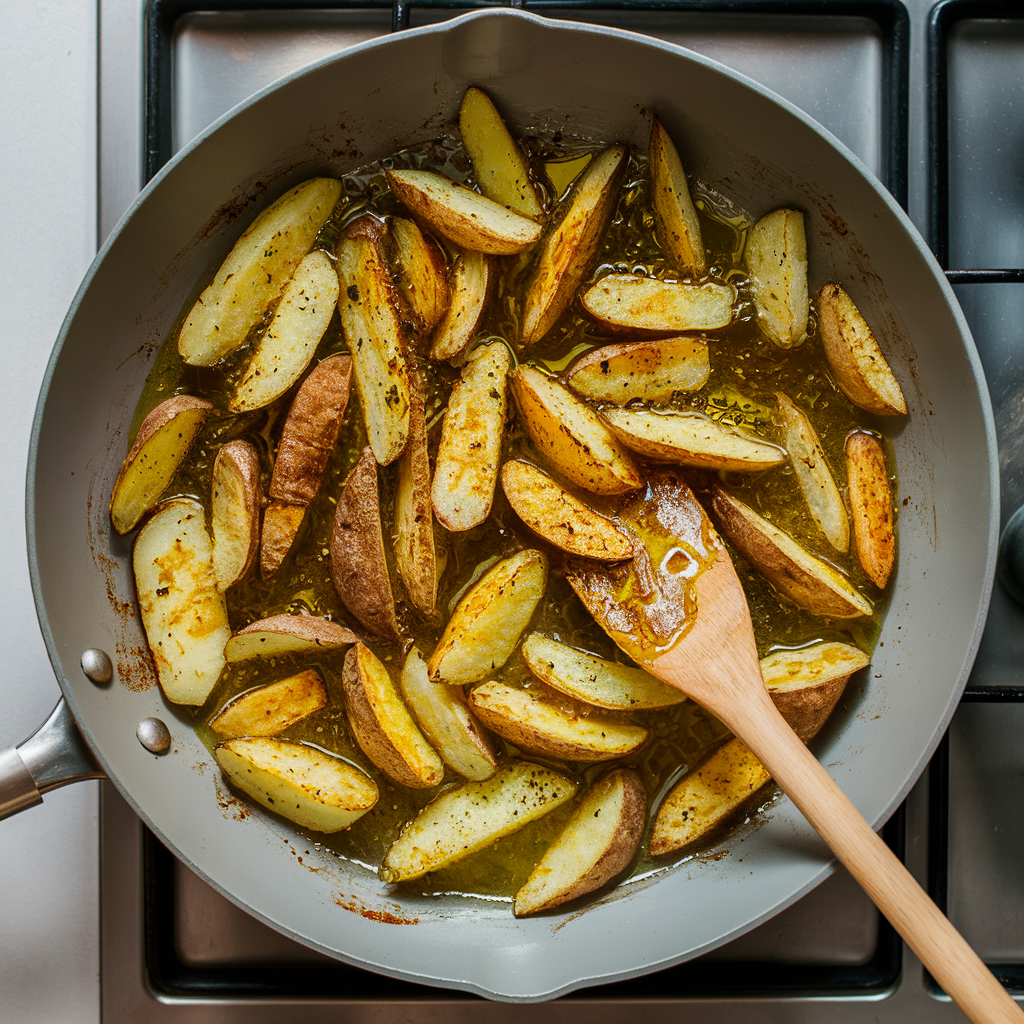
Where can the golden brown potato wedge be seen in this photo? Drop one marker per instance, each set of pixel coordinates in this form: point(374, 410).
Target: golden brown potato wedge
point(466, 469)
point(463, 820)
point(268, 710)
point(498, 163)
point(382, 725)
point(359, 566)
point(489, 620)
point(808, 581)
point(691, 439)
point(421, 271)
point(559, 517)
point(235, 511)
point(303, 784)
point(871, 504)
point(571, 435)
point(183, 612)
point(597, 844)
point(470, 286)
point(281, 524)
point(776, 258)
point(287, 634)
point(444, 716)
point(465, 217)
point(652, 370)
point(163, 440)
point(255, 272)
point(674, 214)
point(541, 727)
point(633, 302)
point(368, 305)
point(570, 243)
point(817, 483)
point(857, 362)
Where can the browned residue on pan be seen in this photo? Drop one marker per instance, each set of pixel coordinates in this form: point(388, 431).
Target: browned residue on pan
point(353, 905)
point(234, 808)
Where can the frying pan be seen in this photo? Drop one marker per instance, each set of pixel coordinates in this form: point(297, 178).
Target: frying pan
point(545, 76)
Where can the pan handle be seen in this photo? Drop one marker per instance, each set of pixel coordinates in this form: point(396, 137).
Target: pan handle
point(54, 755)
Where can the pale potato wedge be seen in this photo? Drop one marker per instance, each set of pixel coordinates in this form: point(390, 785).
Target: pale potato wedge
point(605, 684)
point(286, 347)
point(466, 469)
point(858, 366)
point(559, 517)
point(675, 217)
point(691, 439)
point(268, 710)
point(382, 725)
point(235, 511)
point(287, 634)
point(571, 435)
point(498, 163)
point(183, 612)
point(489, 620)
point(541, 727)
point(808, 581)
point(163, 440)
point(255, 272)
point(598, 843)
point(281, 524)
point(359, 566)
point(633, 302)
point(817, 483)
point(421, 271)
point(464, 820)
point(446, 721)
point(776, 258)
point(806, 684)
point(465, 217)
point(471, 282)
point(867, 476)
point(309, 787)
point(652, 370)
point(570, 243)
point(370, 321)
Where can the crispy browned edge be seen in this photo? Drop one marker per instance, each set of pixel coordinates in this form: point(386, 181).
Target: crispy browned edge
point(871, 506)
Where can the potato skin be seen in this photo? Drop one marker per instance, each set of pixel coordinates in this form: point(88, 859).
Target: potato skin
point(235, 514)
point(871, 505)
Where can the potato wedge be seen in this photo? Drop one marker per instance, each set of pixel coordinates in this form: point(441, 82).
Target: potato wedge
point(857, 362)
point(805, 579)
point(559, 517)
point(691, 439)
point(183, 612)
point(541, 727)
point(309, 787)
point(571, 435)
point(444, 716)
point(359, 566)
point(368, 305)
point(633, 302)
point(498, 163)
point(605, 684)
point(871, 504)
point(490, 619)
point(281, 524)
point(471, 281)
point(235, 511)
point(268, 710)
point(382, 725)
point(675, 217)
point(464, 820)
point(255, 272)
point(287, 634)
point(163, 440)
point(461, 215)
point(652, 370)
point(810, 464)
point(597, 844)
point(570, 243)
point(421, 272)
point(776, 258)
point(466, 469)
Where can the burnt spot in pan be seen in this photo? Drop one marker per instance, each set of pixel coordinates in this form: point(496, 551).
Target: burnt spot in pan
point(353, 905)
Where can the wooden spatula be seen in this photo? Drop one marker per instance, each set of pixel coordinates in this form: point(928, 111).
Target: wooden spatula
point(680, 611)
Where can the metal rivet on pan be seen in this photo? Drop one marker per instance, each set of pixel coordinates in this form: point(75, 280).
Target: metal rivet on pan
point(96, 664)
point(154, 735)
